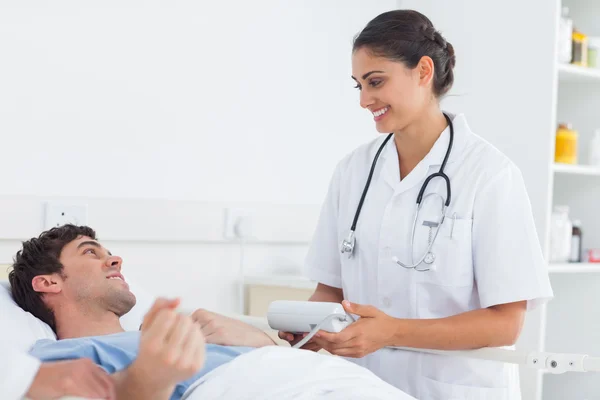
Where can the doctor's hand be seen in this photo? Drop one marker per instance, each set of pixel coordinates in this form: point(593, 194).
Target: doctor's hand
point(292, 339)
point(80, 378)
point(373, 331)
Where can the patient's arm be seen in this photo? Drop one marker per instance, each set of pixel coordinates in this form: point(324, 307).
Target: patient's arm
point(219, 329)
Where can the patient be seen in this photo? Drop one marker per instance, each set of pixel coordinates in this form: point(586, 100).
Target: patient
point(66, 278)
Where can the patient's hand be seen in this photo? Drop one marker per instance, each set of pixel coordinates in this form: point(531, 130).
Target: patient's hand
point(219, 329)
point(71, 378)
point(172, 349)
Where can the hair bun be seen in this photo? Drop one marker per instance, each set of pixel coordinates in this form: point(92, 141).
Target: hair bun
point(439, 39)
point(451, 55)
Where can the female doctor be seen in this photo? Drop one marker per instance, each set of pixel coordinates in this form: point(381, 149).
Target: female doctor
point(426, 233)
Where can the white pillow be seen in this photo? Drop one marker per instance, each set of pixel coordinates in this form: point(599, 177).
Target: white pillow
point(20, 329)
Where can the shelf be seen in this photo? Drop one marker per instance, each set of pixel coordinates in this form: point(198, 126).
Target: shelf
point(574, 268)
point(576, 169)
point(575, 74)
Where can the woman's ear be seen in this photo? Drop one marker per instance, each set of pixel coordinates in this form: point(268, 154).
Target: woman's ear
point(426, 70)
point(47, 283)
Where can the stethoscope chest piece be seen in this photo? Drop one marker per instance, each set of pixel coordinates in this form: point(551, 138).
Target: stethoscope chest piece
point(429, 258)
point(348, 244)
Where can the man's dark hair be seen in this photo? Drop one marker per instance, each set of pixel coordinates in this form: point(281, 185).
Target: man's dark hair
point(40, 256)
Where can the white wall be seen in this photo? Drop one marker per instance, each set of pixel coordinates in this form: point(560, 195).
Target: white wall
point(191, 101)
point(214, 101)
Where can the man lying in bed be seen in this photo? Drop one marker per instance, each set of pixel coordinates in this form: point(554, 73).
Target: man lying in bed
point(70, 281)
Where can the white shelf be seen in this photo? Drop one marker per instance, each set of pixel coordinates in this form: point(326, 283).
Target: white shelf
point(576, 74)
point(576, 169)
point(574, 268)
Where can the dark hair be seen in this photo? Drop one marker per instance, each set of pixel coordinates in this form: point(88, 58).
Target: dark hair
point(407, 36)
point(40, 256)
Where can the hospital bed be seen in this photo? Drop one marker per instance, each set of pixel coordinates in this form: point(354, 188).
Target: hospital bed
point(551, 362)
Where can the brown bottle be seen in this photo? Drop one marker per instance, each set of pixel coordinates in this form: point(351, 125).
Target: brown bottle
point(576, 243)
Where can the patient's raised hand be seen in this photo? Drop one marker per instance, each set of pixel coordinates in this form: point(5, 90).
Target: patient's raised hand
point(172, 349)
point(225, 331)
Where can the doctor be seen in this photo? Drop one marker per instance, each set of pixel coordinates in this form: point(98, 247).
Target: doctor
point(426, 233)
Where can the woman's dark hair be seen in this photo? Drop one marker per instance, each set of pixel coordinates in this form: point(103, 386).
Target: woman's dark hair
point(40, 256)
point(407, 36)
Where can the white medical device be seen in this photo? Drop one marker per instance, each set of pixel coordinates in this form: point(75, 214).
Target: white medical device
point(304, 316)
point(309, 316)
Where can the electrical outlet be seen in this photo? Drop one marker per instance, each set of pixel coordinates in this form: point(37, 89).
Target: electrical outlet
point(237, 223)
point(58, 214)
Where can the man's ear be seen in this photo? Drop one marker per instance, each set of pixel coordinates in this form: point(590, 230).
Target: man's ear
point(47, 283)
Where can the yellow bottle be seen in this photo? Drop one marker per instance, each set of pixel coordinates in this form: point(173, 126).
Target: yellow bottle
point(580, 49)
point(566, 145)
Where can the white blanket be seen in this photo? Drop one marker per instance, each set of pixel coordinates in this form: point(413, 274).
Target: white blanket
point(284, 373)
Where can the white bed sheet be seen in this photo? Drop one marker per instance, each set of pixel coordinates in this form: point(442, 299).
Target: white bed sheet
point(283, 373)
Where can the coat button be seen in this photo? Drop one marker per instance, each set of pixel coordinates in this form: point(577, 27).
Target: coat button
point(387, 251)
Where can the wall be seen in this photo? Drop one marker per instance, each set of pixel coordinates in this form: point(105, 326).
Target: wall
point(182, 250)
point(213, 101)
point(193, 102)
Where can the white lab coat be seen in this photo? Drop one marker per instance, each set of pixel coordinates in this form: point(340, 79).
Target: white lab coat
point(487, 253)
point(17, 372)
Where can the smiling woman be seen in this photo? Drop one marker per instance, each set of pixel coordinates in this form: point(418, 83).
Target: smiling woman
point(424, 266)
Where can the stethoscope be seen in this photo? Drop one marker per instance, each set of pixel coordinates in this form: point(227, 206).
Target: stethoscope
point(428, 258)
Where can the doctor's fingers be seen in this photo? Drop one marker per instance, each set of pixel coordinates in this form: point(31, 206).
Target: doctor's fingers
point(291, 338)
point(353, 352)
point(83, 378)
point(103, 383)
point(337, 338)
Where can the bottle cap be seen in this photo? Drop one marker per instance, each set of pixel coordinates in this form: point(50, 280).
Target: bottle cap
point(565, 125)
point(577, 223)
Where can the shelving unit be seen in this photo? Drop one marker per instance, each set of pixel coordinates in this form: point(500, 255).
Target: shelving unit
point(574, 74)
point(572, 319)
point(574, 268)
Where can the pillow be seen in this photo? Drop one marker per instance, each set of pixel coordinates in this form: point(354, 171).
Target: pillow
point(20, 329)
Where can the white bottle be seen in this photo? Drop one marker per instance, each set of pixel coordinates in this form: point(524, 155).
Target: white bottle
point(565, 37)
point(594, 149)
point(561, 231)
